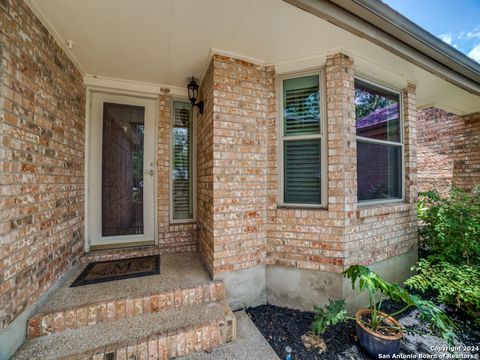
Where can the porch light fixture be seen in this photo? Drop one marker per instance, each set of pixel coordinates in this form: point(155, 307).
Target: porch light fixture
point(193, 94)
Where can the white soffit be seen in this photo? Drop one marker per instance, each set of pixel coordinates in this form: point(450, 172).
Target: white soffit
point(167, 41)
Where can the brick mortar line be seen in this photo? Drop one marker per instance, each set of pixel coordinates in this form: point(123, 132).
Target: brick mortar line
point(80, 149)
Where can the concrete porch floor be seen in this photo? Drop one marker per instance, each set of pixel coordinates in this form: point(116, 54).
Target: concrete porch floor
point(178, 270)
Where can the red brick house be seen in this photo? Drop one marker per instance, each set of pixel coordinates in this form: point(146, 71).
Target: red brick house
point(321, 120)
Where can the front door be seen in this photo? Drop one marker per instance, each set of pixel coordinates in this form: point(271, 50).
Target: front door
point(121, 206)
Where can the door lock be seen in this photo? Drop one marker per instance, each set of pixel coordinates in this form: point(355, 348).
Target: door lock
point(150, 172)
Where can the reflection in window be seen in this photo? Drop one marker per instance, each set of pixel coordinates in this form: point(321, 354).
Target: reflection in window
point(379, 143)
point(377, 112)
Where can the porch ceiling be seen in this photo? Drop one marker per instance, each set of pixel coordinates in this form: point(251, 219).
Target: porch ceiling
point(166, 41)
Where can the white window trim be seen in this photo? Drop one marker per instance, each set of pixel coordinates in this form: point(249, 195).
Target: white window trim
point(322, 136)
point(362, 203)
point(193, 164)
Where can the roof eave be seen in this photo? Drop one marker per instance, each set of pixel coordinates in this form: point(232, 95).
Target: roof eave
point(380, 24)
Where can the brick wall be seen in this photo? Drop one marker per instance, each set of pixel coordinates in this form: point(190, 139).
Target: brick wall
point(466, 172)
point(448, 150)
point(42, 110)
point(245, 226)
point(234, 162)
point(205, 172)
point(314, 238)
point(376, 233)
point(331, 239)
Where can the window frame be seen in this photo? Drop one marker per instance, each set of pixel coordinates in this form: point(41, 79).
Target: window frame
point(193, 165)
point(362, 203)
point(322, 136)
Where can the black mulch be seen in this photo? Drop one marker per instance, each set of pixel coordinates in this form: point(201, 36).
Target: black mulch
point(284, 327)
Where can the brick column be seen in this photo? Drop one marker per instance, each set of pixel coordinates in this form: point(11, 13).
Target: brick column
point(205, 172)
point(410, 143)
point(234, 172)
point(272, 160)
point(342, 150)
point(163, 163)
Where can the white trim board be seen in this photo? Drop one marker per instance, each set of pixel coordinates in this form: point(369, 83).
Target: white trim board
point(108, 83)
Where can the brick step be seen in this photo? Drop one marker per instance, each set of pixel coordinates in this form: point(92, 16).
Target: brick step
point(123, 253)
point(58, 320)
point(162, 335)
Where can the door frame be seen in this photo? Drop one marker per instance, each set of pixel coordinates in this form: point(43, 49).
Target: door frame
point(90, 91)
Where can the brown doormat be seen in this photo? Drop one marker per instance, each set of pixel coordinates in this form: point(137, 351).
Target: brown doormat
point(103, 271)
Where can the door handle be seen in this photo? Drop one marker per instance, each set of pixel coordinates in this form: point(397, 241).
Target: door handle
point(150, 172)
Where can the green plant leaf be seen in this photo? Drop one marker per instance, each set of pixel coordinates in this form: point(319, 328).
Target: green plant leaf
point(333, 313)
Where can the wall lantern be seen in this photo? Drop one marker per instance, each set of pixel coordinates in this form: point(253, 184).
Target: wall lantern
point(193, 94)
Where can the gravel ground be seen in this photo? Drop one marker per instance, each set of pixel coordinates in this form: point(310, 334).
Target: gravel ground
point(284, 327)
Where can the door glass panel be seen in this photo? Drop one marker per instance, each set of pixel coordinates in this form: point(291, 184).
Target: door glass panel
point(122, 169)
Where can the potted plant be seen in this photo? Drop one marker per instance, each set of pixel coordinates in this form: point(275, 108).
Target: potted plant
point(379, 332)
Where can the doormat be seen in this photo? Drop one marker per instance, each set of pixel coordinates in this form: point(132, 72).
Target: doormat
point(103, 271)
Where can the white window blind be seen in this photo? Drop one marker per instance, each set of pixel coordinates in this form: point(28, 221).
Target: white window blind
point(301, 106)
point(302, 141)
point(182, 161)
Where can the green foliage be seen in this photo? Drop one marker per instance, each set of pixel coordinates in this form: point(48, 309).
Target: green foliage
point(456, 285)
point(334, 313)
point(451, 226)
point(379, 289)
point(438, 321)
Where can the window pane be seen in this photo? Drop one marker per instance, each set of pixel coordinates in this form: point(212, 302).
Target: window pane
point(379, 171)
point(301, 106)
point(377, 112)
point(302, 172)
point(182, 153)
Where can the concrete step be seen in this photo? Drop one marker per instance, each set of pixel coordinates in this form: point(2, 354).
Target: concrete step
point(161, 335)
point(57, 319)
point(183, 281)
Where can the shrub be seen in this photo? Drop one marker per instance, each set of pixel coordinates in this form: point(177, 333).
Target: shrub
point(451, 226)
point(457, 285)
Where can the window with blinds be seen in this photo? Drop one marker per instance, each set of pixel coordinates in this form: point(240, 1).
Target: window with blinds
point(302, 141)
point(182, 197)
point(301, 106)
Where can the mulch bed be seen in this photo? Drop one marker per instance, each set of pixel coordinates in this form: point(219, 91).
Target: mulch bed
point(284, 327)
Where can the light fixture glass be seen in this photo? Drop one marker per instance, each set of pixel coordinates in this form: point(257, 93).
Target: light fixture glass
point(193, 94)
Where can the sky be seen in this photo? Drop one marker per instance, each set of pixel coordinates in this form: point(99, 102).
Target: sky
point(457, 22)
